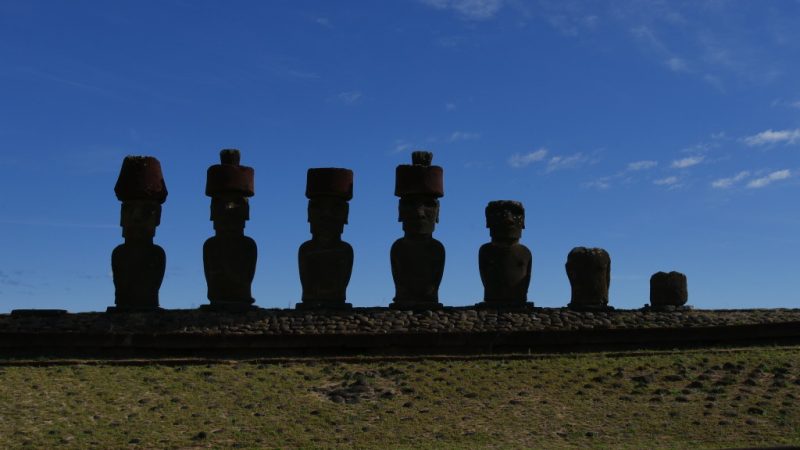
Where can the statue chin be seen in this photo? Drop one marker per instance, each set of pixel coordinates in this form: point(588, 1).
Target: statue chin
point(418, 227)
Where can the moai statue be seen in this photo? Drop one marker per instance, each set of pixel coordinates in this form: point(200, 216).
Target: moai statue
point(668, 292)
point(504, 263)
point(326, 261)
point(138, 264)
point(229, 257)
point(417, 258)
point(589, 272)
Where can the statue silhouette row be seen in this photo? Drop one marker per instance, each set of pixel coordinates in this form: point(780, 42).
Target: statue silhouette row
point(325, 261)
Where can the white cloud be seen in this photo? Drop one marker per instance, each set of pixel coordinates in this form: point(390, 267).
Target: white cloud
point(462, 136)
point(774, 176)
point(601, 184)
point(565, 162)
point(450, 106)
point(518, 160)
point(795, 104)
point(668, 181)
point(468, 9)
point(687, 162)
point(349, 97)
point(771, 137)
point(400, 146)
point(724, 183)
point(677, 64)
point(642, 165)
point(323, 21)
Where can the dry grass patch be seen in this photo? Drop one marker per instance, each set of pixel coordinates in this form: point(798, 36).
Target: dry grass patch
point(693, 399)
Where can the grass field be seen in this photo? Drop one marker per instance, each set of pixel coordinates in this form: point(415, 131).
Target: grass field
point(692, 399)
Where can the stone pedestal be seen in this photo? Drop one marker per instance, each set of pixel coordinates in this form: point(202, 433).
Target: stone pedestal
point(668, 292)
point(589, 273)
point(138, 265)
point(417, 258)
point(325, 261)
point(505, 264)
point(229, 257)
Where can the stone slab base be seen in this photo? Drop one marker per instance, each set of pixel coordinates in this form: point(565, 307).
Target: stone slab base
point(589, 308)
point(127, 309)
point(323, 306)
point(229, 307)
point(667, 308)
point(500, 306)
point(416, 306)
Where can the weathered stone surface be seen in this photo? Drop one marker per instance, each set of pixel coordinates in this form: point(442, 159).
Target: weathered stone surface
point(325, 261)
point(505, 264)
point(383, 320)
point(229, 257)
point(668, 290)
point(138, 265)
point(589, 273)
point(417, 258)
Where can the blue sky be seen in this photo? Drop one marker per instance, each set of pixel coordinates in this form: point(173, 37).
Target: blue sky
point(667, 132)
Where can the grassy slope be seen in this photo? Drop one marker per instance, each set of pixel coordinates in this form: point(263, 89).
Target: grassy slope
point(696, 399)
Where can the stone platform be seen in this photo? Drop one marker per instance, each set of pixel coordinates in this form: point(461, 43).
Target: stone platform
point(264, 332)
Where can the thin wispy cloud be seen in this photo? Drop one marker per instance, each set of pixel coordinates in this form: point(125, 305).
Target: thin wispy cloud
point(601, 184)
point(400, 146)
point(769, 179)
point(468, 9)
point(668, 181)
point(676, 64)
point(565, 162)
point(771, 137)
point(641, 165)
point(725, 183)
point(450, 106)
point(687, 162)
point(349, 97)
point(518, 160)
point(323, 21)
point(462, 136)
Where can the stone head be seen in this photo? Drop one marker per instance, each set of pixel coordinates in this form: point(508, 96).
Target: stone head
point(139, 219)
point(419, 186)
point(419, 213)
point(505, 219)
point(327, 215)
point(142, 190)
point(328, 190)
point(230, 212)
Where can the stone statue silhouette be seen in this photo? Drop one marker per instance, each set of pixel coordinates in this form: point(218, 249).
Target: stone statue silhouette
point(668, 291)
point(138, 264)
point(229, 257)
point(505, 264)
point(325, 261)
point(589, 272)
point(417, 258)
